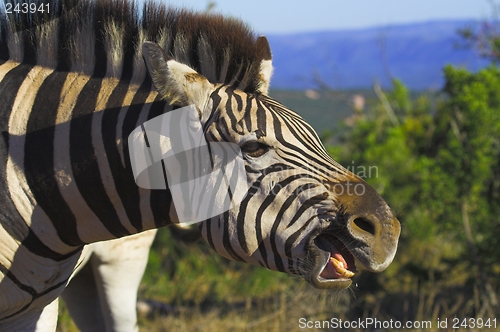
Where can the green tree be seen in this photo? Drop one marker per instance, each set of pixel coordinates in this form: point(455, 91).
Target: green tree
point(467, 146)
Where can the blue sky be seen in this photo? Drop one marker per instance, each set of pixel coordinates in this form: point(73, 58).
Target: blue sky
point(285, 16)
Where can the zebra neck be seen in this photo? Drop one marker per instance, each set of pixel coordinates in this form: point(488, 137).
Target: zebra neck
point(68, 168)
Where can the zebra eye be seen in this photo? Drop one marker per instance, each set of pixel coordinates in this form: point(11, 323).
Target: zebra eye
point(254, 149)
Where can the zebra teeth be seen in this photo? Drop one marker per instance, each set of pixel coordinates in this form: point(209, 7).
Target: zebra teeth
point(339, 268)
point(336, 268)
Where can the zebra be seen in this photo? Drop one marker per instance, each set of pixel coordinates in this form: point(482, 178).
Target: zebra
point(75, 81)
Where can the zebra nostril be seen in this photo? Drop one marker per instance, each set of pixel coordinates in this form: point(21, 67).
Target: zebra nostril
point(365, 225)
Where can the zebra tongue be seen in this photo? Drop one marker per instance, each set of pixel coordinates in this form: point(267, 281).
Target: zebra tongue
point(336, 267)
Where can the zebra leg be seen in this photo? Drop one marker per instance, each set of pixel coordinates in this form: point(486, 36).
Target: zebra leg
point(82, 300)
point(44, 320)
point(48, 319)
point(118, 267)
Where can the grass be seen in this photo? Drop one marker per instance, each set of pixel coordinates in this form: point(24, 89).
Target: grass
point(277, 313)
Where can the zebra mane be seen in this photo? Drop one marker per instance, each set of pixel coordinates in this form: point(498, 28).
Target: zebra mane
point(103, 38)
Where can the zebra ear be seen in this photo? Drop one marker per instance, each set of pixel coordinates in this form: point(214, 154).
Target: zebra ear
point(174, 81)
point(266, 66)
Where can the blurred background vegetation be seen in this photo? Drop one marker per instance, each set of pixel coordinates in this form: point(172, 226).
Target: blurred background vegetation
point(437, 161)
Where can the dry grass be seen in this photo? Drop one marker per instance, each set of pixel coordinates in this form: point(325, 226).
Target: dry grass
point(277, 313)
point(282, 311)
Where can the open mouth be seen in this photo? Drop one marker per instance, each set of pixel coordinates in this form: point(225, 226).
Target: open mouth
point(334, 265)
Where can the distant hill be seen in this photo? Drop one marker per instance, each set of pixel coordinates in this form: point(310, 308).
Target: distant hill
point(414, 53)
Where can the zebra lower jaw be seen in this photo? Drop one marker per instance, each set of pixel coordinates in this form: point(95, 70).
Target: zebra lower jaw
point(334, 265)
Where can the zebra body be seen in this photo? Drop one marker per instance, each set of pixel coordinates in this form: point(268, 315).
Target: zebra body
point(72, 90)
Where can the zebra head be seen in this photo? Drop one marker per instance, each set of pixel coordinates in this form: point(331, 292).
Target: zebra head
point(304, 213)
